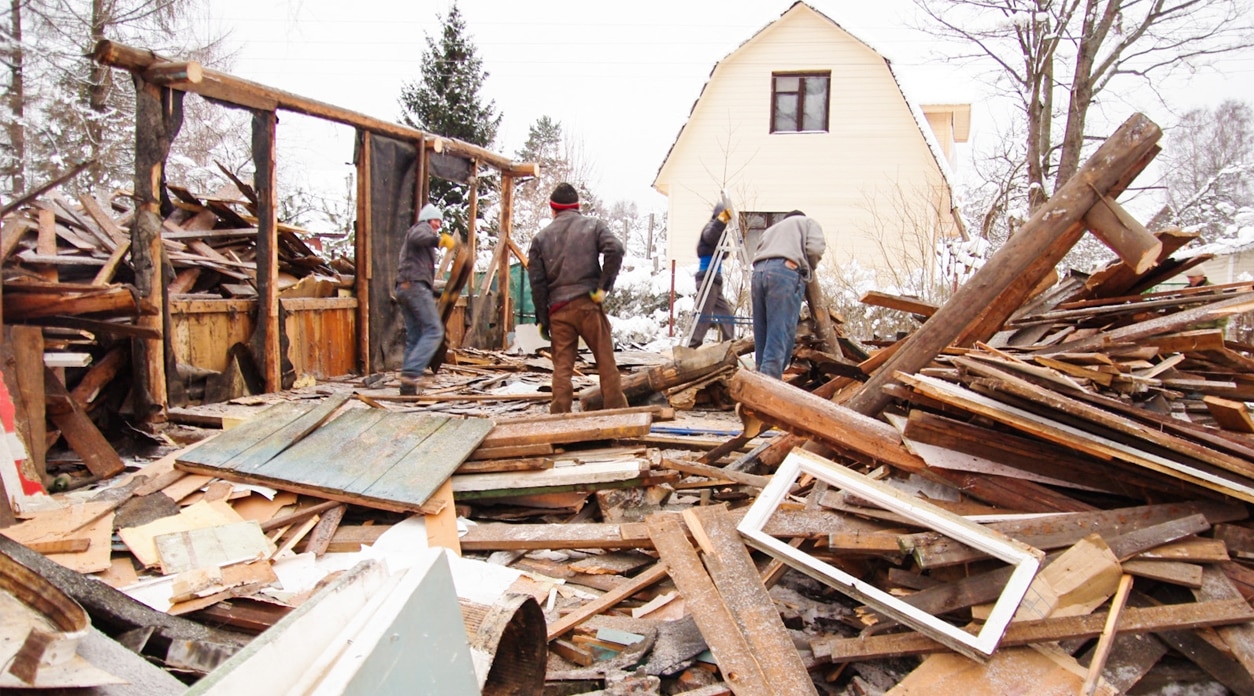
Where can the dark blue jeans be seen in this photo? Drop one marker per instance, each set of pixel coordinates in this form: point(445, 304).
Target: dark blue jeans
point(777, 291)
point(423, 328)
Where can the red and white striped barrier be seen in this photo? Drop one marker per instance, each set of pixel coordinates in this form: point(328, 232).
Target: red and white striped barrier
point(13, 454)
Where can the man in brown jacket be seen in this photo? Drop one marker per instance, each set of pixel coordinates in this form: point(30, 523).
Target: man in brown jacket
point(572, 264)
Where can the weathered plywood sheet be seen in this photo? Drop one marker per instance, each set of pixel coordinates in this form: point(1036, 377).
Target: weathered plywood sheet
point(372, 457)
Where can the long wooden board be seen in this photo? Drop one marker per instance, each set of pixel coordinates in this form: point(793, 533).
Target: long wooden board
point(576, 429)
point(1132, 620)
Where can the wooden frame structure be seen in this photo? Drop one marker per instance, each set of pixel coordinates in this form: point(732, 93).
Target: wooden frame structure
point(1024, 558)
point(160, 84)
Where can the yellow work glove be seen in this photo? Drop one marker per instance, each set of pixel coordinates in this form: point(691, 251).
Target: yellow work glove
point(598, 295)
point(544, 333)
point(447, 241)
point(724, 216)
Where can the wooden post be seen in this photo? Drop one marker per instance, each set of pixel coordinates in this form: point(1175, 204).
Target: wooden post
point(502, 276)
point(1000, 286)
point(158, 115)
point(264, 123)
point(472, 217)
point(361, 249)
point(822, 318)
point(422, 177)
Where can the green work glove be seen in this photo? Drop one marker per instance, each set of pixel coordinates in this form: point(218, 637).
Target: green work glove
point(598, 295)
point(544, 333)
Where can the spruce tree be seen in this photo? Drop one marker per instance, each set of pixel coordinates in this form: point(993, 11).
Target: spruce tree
point(447, 101)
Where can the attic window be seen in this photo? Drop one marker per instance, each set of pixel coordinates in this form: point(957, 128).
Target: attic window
point(799, 102)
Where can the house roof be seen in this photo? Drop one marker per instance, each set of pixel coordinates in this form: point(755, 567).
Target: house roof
point(962, 126)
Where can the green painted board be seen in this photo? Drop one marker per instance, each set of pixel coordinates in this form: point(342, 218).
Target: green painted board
point(426, 467)
point(269, 447)
point(404, 433)
point(372, 457)
point(337, 457)
point(324, 457)
point(229, 443)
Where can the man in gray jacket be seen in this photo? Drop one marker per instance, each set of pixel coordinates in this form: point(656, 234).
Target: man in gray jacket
point(784, 263)
point(415, 278)
point(572, 264)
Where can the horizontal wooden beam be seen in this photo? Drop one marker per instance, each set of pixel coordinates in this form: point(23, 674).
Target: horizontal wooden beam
point(251, 95)
point(1167, 617)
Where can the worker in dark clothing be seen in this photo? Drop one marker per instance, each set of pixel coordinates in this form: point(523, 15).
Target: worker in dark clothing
point(415, 280)
point(715, 309)
point(572, 263)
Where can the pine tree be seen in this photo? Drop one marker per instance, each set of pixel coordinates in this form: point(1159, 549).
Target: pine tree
point(447, 100)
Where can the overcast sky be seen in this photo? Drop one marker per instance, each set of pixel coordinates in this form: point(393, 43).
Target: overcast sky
point(621, 77)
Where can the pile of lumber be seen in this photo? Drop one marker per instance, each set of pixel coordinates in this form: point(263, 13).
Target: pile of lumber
point(1046, 484)
point(70, 302)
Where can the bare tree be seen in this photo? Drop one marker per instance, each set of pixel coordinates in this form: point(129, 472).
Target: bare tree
point(1209, 166)
point(561, 158)
point(63, 108)
point(1056, 58)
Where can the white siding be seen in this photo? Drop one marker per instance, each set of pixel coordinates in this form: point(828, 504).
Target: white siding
point(852, 179)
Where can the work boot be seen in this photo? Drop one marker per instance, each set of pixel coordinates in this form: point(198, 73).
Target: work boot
point(409, 386)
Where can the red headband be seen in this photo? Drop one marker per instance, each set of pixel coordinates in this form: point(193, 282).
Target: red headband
point(564, 206)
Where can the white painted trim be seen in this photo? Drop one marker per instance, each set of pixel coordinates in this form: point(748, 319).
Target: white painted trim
point(1024, 558)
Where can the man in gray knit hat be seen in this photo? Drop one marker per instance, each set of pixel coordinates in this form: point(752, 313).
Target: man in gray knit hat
point(415, 280)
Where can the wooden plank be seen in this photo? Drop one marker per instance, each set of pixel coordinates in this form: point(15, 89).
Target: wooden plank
point(595, 472)
point(932, 550)
point(717, 473)
point(1045, 671)
point(420, 472)
point(274, 443)
point(392, 461)
point(1133, 620)
point(499, 536)
point(141, 540)
point(1214, 659)
point(905, 304)
point(745, 596)
point(642, 581)
point(322, 534)
point(1229, 414)
point(229, 443)
point(1076, 582)
point(21, 354)
point(79, 431)
point(442, 526)
point(333, 451)
point(222, 545)
point(11, 233)
point(586, 429)
point(1125, 236)
point(1077, 438)
point(1239, 637)
point(1107, 637)
point(538, 449)
point(735, 657)
point(1174, 572)
point(1127, 545)
point(1104, 421)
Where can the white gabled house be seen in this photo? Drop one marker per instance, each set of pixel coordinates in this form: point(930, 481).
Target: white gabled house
point(803, 115)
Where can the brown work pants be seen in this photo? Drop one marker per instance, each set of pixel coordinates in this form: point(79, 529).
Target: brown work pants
point(583, 318)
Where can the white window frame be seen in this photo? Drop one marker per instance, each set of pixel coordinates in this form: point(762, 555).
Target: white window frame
point(1025, 559)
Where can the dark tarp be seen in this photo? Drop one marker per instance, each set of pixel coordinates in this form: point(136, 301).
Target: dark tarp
point(393, 173)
